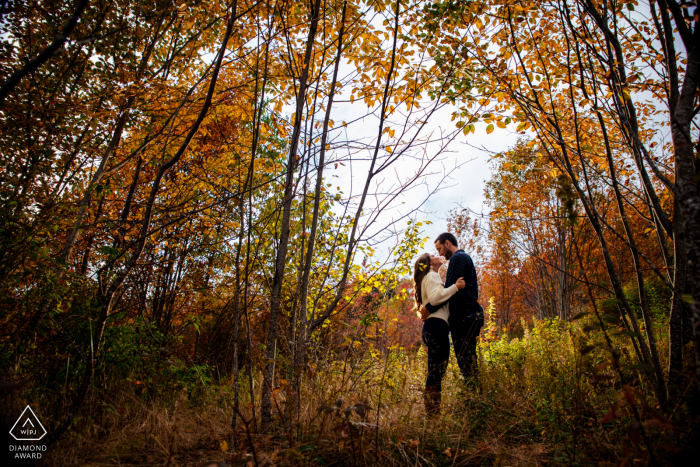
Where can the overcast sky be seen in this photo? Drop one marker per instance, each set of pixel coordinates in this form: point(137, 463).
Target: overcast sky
point(459, 173)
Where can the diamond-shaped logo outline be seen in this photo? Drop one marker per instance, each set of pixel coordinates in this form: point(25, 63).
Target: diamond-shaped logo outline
point(35, 418)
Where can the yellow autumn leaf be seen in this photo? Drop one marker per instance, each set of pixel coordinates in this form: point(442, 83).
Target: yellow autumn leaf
point(489, 129)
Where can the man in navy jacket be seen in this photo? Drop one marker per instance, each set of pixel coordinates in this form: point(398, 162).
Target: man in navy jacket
point(466, 315)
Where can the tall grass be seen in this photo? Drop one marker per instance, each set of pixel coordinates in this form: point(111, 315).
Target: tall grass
point(538, 400)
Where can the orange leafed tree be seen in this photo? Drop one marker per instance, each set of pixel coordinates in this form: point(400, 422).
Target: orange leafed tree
point(597, 85)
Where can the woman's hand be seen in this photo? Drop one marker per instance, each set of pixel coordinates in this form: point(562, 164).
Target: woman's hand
point(460, 283)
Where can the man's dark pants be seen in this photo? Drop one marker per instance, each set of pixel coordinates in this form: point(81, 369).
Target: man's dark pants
point(465, 329)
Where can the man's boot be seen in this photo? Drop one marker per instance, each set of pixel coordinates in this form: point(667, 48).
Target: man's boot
point(431, 399)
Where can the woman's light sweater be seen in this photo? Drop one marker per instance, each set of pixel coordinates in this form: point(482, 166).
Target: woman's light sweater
point(433, 291)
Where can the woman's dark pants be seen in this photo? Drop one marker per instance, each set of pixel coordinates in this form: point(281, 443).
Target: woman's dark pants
point(436, 336)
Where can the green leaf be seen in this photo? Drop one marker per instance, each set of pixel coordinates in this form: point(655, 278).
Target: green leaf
point(630, 6)
point(687, 298)
point(489, 129)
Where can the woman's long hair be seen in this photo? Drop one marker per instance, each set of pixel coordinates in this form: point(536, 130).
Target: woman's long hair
point(420, 269)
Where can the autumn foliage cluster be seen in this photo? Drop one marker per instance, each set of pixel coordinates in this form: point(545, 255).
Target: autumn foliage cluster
point(192, 195)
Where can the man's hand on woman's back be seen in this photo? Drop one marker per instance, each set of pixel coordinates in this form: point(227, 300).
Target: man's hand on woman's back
point(424, 313)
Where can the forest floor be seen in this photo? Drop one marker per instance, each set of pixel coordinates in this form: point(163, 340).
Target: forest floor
point(539, 401)
point(476, 432)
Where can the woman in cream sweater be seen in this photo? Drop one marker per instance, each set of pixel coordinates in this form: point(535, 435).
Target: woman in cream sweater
point(436, 330)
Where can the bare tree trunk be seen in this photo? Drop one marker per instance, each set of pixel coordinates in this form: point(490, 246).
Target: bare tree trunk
point(91, 238)
point(281, 256)
point(689, 200)
point(302, 336)
point(561, 275)
point(258, 111)
point(352, 241)
point(686, 164)
point(236, 327)
point(678, 319)
point(644, 303)
point(679, 322)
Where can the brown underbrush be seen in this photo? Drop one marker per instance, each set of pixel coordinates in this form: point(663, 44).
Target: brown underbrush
point(539, 401)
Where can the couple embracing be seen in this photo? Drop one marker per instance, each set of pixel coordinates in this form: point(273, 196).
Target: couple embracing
point(447, 308)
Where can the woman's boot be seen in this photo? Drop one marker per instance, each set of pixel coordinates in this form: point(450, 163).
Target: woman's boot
point(431, 399)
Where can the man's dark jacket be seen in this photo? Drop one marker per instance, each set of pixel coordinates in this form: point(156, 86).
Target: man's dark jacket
point(465, 301)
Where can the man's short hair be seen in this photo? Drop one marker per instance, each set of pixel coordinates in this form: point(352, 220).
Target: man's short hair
point(447, 236)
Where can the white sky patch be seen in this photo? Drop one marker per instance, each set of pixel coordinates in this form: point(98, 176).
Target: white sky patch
point(455, 178)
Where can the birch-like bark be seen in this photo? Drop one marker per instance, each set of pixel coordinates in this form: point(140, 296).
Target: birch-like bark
point(682, 314)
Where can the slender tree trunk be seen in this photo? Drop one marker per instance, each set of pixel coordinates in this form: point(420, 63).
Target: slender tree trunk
point(593, 217)
point(353, 239)
point(688, 188)
point(258, 111)
point(91, 238)
point(680, 327)
point(96, 178)
point(644, 303)
point(236, 323)
point(281, 256)
point(302, 337)
point(686, 164)
point(650, 352)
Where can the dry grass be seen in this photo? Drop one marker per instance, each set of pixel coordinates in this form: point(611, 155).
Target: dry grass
point(534, 406)
point(184, 434)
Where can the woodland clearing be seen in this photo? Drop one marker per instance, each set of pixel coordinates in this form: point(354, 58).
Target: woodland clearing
point(203, 257)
